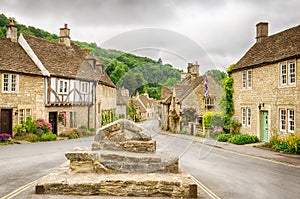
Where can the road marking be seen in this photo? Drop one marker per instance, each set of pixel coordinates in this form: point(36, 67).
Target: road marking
point(257, 157)
point(19, 190)
point(204, 188)
point(234, 152)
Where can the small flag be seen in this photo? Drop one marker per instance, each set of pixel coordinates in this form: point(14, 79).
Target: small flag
point(205, 87)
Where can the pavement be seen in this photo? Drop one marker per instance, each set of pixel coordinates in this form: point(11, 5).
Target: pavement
point(251, 150)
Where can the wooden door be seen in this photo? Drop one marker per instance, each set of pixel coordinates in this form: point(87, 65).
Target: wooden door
point(264, 125)
point(53, 121)
point(6, 121)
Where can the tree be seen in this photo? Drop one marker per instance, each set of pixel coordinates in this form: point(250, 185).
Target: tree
point(218, 75)
point(132, 110)
point(171, 81)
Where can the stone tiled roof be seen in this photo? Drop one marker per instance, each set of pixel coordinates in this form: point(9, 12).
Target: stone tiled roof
point(182, 89)
point(14, 59)
point(277, 47)
point(63, 61)
point(139, 106)
point(146, 100)
point(104, 79)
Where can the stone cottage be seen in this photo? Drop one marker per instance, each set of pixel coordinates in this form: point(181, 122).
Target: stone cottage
point(267, 84)
point(186, 102)
point(40, 78)
point(145, 106)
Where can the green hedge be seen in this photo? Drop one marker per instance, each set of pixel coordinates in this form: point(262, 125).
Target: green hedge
point(241, 139)
point(224, 137)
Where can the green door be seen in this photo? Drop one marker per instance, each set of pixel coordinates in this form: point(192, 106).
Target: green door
point(264, 125)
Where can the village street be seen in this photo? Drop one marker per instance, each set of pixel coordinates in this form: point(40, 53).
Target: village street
point(221, 173)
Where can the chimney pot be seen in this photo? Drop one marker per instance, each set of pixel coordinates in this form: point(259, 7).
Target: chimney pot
point(66, 25)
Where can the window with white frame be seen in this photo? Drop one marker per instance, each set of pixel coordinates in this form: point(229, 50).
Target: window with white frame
point(287, 120)
point(282, 119)
point(73, 123)
point(291, 70)
point(244, 80)
point(287, 73)
point(291, 120)
point(10, 83)
point(84, 87)
point(24, 114)
point(63, 86)
point(247, 79)
point(246, 116)
point(283, 74)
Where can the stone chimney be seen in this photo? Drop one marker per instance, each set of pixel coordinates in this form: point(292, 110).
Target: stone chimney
point(64, 35)
point(193, 69)
point(261, 31)
point(12, 30)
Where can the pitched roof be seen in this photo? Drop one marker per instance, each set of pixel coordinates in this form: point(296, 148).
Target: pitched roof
point(277, 47)
point(61, 60)
point(14, 59)
point(104, 79)
point(183, 88)
point(139, 105)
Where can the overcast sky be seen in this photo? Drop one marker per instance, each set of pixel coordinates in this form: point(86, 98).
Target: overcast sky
point(216, 33)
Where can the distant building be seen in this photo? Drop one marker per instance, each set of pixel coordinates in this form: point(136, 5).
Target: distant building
point(146, 106)
point(40, 78)
point(122, 102)
point(185, 102)
point(267, 84)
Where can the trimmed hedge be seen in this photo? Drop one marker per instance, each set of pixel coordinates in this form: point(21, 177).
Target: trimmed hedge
point(241, 139)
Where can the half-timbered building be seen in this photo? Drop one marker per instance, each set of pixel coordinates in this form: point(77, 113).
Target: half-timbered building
point(55, 80)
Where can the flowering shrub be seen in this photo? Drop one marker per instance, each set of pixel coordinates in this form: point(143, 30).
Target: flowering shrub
point(33, 130)
point(4, 136)
point(62, 116)
point(43, 125)
point(289, 143)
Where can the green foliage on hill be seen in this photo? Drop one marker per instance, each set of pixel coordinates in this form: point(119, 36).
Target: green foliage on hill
point(134, 72)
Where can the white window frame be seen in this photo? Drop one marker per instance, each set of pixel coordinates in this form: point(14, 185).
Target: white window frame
point(283, 75)
point(291, 73)
point(63, 86)
point(244, 116)
point(291, 120)
point(248, 117)
point(282, 120)
point(249, 79)
point(288, 73)
point(84, 87)
point(244, 79)
point(10, 83)
point(24, 114)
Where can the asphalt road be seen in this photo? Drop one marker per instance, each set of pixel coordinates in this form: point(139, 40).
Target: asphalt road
point(221, 174)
